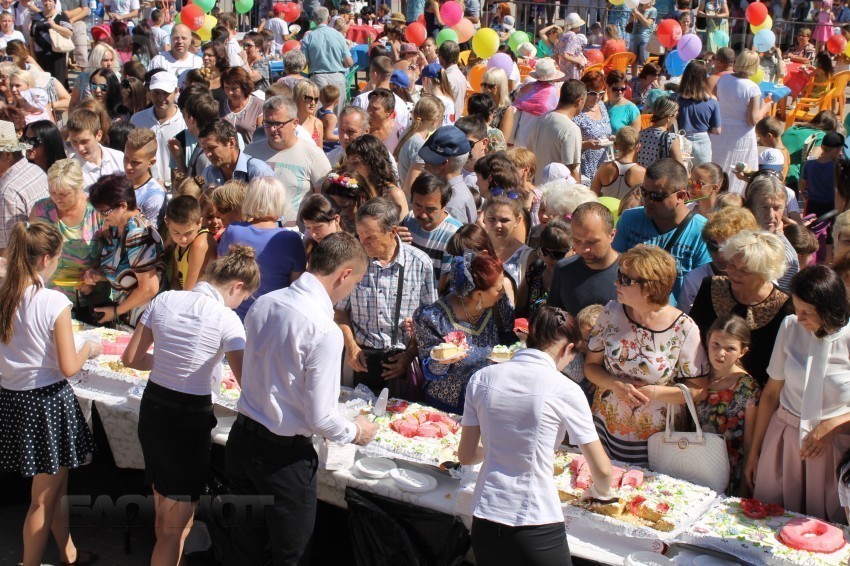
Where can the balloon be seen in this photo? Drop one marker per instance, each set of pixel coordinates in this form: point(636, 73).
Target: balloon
point(177, 21)
point(501, 61)
point(518, 38)
point(767, 24)
point(594, 56)
point(193, 16)
point(764, 40)
point(756, 13)
point(485, 42)
point(690, 46)
point(669, 32)
point(446, 34)
point(291, 45)
point(291, 12)
point(645, 1)
point(421, 19)
point(612, 204)
point(416, 34)
point(464, 30)
point(675, 65)
point(721, 38)
point(205, 5)
point(451, 12)
point(616, 2)
point(758, 77)
point(206, 30)
point(631, 4)
point(244, 6)
point(847, 50)
point(836, 44)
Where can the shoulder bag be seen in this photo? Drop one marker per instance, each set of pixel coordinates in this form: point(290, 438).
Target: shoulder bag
point(60, 43)
point(668, 247)
point(697, 457)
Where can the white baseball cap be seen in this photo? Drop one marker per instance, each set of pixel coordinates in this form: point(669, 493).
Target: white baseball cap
point(164, 81)
point(772, 159)
point(557, 171)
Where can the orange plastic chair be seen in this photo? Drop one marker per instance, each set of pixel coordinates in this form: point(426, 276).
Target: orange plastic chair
point(463, 58)
point(651, 59)
point(476, 74)
point(597, 67)
point(839, 85)
point(619, 62)
point(802, 111)
point(813, 85)
point(645, 121)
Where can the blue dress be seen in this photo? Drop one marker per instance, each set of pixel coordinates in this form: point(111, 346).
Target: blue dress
point(592, 129)
point(445, 388)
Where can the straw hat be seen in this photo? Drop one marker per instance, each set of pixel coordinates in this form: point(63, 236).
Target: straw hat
point(573, 21)
point(545, 70)
point(9, 141)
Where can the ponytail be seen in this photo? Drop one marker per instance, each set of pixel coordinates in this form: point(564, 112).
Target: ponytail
point(28, 243)
point(427, 116)
point(239, 265)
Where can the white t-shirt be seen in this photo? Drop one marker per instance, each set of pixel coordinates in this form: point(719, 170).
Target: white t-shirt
point(234, 52)
point(164, 132)
point(524, 407)
point(280, 29)
point(166, 60)
point(150, 198)
point(402, 114)
point(161, 38)
point(192, 330)
point(29, 360)
point(14, 36)
point(111, 161)
point(121, 7)
point(733, 97)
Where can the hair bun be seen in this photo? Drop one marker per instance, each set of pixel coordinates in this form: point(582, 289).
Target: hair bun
point(240, 251)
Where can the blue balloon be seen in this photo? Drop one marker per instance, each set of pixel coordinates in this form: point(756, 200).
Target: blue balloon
point(721, 38)
point(675, 65)
point(765, 40)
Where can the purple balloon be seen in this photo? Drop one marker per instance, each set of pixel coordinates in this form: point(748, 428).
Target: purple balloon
point(689, 47)
point(502, 61)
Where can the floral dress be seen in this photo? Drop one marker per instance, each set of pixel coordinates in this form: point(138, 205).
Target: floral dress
point(723, 413)
point(445, 386)
point(654, 358)
point(569, 44)
point(592, 129)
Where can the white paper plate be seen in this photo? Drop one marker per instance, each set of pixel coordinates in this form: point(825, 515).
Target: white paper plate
point(604, 142)
point(414, 482)
point(453, 359)
point(497, 360)
point(375, 468)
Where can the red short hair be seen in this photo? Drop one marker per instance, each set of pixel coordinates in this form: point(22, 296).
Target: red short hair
point(486, 271)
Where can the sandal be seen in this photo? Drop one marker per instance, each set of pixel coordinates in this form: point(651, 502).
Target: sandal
point(84, 558)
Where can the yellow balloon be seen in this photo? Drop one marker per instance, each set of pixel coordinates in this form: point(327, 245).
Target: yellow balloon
point(205, 33)
point(617, 2)
point(485, 43)
point(766, 24)
point(847, 50)
point(758, 77)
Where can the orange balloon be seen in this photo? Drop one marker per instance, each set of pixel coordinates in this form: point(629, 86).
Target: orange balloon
point(594, 56)
point(416, 33)
point(291, 45)
point(464, 30)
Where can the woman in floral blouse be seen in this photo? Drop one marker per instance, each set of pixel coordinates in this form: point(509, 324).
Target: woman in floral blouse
point(639, 349)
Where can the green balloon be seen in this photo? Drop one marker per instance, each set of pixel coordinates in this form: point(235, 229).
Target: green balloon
point(518, 38)
point(243, 6)
point(177, 20)
point(446, 34)
point(205, 5)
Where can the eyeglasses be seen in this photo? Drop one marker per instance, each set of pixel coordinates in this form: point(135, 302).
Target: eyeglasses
point(272, 125)
point(620, 89)
point(499, 191)
point(595, 93)
point(624, 280)
point(105, 213)
point(693, 184)
point(95, 86)
point(656, 197)
point(313, 99)
point(554, 254)
point(34, 142)
point(7, 59)
point(713, 246)
point(488, 85)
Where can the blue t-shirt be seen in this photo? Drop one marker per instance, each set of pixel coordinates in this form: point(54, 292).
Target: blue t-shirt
point(639, 31)
point(697, 117)
point(279, 253)
point(821, 180)
point(690, 250)
point(622, 115)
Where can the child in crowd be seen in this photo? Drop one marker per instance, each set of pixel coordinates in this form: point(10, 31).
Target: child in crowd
point(7, 28)
point(192, 186)
point(769, 134)
point(616, 178)
point(227, 200)
point(804, 242)
point(210, 216)
point(139, 158)
point(817, 180)
point(329, 97)
point(526, 163)
point(634, 199)
point(84, 136)
point(733, 200)
point(730, 408)
point(194, 245)
point(586, 319)
point(595, 38)
point(279, 28)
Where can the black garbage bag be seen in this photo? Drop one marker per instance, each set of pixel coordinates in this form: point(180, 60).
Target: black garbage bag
point(386, 532)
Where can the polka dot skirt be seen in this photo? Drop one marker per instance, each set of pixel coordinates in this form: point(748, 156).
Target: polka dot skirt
point(42, 430)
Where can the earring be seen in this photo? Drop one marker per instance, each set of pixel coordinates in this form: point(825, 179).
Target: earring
point(480, 305)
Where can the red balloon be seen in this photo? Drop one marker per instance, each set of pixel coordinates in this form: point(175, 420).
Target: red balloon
point(421, 19)
point(291, 12)
point(193, 16)
point(669, 33)
point(836, 44)
point(594, 56)
point(416, 33)
point(291, 45)
point(756, 13)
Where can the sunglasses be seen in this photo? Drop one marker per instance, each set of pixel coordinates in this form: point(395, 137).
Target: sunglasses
point(488, 85)
point(273, 125)
point(620, 89)
point(656, 197)
point(595, 93)
point(313, 99)
point(499, 191)
point(713, 246)
point(7, 59)
point(624, 280)
point(553, 254)
point(94, 86)
point(34, 142)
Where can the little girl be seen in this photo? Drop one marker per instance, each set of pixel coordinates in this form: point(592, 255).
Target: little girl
point(730, 408)
point(825, 24)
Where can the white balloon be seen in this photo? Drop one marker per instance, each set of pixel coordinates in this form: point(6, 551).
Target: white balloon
point(645, 1)
point(631, 4)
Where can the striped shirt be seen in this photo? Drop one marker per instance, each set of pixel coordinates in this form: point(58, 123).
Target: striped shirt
point(434, 243)
point(21, 186)
point(371, 305)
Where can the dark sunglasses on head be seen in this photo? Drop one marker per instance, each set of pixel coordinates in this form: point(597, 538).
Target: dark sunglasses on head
point(656, 197)
point(125, 84)
point(624, 280)
point(595, 93)
point(499, 191)
point(554, 254)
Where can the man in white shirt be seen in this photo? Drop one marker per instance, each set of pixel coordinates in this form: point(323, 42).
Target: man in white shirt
point(290, 390)
point(279, 28)
point(163, 118)
point(353, 123)
point(234, 50)
point(179, 59)
point(380, 72)
point(84, 135)
point(555, 138)
point(301, 166)
point(122, 10)
point(449, 52)
point(160, 36)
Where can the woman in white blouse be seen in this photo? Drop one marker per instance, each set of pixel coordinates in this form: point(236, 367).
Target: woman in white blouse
point(520, 411)
point(800, 433)
point(42, 430)
point(193, 331)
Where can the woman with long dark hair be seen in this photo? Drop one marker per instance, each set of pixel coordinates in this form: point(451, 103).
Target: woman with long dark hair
point(369, 157)
point(106, 89)
point(46, 145)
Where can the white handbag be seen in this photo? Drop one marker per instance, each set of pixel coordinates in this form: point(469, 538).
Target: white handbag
point(697, 457)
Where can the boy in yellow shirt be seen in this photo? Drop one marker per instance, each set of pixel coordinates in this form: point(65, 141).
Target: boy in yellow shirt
point(194, 246)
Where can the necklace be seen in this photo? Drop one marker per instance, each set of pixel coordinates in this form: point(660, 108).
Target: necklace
point(466, 312)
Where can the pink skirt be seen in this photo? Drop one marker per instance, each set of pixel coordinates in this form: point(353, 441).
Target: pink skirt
point(805, 486)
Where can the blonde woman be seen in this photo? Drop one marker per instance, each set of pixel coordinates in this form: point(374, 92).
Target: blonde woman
point(435, 81)
point(741, 109)
point(35, 103)
point(495, 83)
point(427, 117)
point(102, 56)
point(306, 96)
point(658, 141)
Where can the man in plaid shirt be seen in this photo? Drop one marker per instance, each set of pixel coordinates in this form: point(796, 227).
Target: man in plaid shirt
point(22, 184)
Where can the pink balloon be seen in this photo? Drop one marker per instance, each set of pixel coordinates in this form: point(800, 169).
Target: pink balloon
point(464, 30)
point(502, 61)
point(451, 13)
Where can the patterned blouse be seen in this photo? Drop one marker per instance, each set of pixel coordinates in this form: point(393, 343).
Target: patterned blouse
point(569, 44)
point(592, 129)
point(138, 249)
point(446, 385)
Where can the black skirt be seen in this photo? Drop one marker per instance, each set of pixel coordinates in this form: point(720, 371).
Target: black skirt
point(42, 430)
point(174, 430)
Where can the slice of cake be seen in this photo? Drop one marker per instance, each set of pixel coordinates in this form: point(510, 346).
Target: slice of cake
point(444, 351)
point(501, 353)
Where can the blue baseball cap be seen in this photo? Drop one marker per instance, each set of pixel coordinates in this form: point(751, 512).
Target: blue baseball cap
point(432, 71)
point(445, 143)
point(401, 79)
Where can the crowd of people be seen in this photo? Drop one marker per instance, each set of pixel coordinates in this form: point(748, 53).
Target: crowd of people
point(656, 231)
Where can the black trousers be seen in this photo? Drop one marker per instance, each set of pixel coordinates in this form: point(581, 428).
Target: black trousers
point(495, 544)
point(284, 468)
